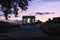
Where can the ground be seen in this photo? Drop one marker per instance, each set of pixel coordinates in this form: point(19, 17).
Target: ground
point(24, 31)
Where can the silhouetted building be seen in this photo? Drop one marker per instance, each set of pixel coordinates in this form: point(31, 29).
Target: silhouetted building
point(28, 19)
point(56, 20)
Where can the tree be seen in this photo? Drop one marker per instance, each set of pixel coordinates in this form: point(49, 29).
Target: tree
point(8, 4)
point(38, 22)
point(49, 21)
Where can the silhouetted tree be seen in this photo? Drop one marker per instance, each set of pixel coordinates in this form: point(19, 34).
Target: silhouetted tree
point(49, 21)
point(38, 22)
point(8, 4)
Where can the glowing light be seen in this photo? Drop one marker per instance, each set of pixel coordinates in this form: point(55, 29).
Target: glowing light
point(28, 20)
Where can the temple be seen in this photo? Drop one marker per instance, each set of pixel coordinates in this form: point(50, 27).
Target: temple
point(28, 19)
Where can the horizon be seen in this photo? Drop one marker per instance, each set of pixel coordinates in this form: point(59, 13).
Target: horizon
point(9, 20)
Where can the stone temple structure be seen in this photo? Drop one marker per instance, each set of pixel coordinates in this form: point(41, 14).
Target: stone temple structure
point(28, 19)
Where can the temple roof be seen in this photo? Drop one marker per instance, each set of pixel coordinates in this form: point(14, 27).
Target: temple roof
point(28, 17)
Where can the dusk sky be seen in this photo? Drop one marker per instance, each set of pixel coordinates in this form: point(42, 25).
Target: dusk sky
point(52, 6)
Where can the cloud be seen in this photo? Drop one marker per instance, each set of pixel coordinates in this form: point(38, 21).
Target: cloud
point(48, 13)
point(39, 13)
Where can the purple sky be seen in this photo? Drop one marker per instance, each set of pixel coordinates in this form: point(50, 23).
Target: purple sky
point(52, 6)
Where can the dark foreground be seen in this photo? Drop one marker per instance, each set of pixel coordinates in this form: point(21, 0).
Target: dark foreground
point(33, 38)
point(25, 38)
point(28, 32)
